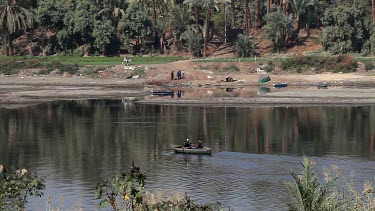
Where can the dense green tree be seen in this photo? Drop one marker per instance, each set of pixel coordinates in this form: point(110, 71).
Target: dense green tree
point(346, 27)
point(13, 18)
point(136, 25)
point(104, 37)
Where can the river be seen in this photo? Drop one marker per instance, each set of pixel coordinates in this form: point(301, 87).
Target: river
point(76, 143)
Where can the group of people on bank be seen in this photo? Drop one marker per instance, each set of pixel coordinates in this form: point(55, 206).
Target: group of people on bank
point(179, 75)
point(190, 145)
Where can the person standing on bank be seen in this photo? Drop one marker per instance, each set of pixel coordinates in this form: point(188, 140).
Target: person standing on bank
point(172, 75)
point(178, 74)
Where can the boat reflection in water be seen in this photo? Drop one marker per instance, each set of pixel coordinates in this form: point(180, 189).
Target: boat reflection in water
point(263, 90)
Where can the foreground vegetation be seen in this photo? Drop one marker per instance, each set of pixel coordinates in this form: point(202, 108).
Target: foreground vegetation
point(126, 192)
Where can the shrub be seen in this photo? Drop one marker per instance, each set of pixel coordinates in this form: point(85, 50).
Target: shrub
point(334, 64)
point(369, 65)
point(192, 41)
point(46, 71)
point(16, 187)
point(308, 194)
point(124, 192)
point(244, 45)
point(270, 67)
point(71, 69)
point(10, 66)
point(230, 68)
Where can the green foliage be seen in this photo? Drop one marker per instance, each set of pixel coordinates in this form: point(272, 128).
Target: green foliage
point(104, 35)
point(13, 18)
point(278, 29)
point(244, 45)
point(122, 192)
point(125, 192)
point(16, 187)
point(192, 41)
point(308, 194)
point(369, 65)
point(230, 68)
point(335, 64)
point(346, 29)
point(11, 66)
point(269, 67)
point(136, 25)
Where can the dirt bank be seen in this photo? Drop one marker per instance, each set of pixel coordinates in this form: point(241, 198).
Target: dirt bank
point(354, 88)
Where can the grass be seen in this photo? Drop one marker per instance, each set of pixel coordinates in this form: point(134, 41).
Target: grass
point(96, 60)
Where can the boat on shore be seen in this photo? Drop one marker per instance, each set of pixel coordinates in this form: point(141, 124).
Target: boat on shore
point(163, 93)
point(264, 79)
point(193, 150)
point(322, 86)
point(280, 85)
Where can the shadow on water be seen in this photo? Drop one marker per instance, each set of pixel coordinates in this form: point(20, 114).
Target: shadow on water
point(76, 143)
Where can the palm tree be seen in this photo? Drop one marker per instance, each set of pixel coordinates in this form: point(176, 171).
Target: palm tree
point(117, 9)
point(285, 6)
point(373, 10)
point(13, 18)
point(208, 5)
point(299, 8)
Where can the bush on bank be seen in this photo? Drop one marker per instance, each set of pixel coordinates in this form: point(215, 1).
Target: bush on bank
point(343, 63)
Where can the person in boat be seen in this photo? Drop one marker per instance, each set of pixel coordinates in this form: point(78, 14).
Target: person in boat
point(187, 143)
point(200, 144)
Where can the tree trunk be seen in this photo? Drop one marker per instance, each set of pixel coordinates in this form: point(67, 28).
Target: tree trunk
point(153, 5)
point(285, 6)
point(296, 25)
point(268, 6)
point(256, 13)
point(233, 11)
point(246, 16)
point(196, 11)
point(206, 33)
point(373, 10)
point(10, 45)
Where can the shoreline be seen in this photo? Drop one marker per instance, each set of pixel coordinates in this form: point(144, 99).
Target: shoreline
point(343, 89)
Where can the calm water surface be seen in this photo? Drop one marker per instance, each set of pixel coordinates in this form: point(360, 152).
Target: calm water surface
point(75, 143)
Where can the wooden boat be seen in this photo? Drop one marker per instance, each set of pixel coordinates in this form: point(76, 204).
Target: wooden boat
point(264, 79)
point(280, 85)
point(163, 93)
point(322, 86)
point(192, 150)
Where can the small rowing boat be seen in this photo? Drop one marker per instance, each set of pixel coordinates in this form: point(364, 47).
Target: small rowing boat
point(264, 79)
point(162, 93)
point(193, 150)
point(280, 85)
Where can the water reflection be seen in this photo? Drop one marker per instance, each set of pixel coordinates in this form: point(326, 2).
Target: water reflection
point(84, 140)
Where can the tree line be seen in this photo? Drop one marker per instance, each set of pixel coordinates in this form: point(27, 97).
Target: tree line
point(110, 27)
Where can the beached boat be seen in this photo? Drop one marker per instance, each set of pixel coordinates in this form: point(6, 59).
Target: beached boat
point(162, 93)
point(192, 150)
point(280, 85)
point(264, 79)
point(322, 86)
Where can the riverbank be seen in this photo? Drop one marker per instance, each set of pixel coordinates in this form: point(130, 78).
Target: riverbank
point(343, 88)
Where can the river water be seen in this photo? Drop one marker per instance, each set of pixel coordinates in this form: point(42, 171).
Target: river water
point(76, 143)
